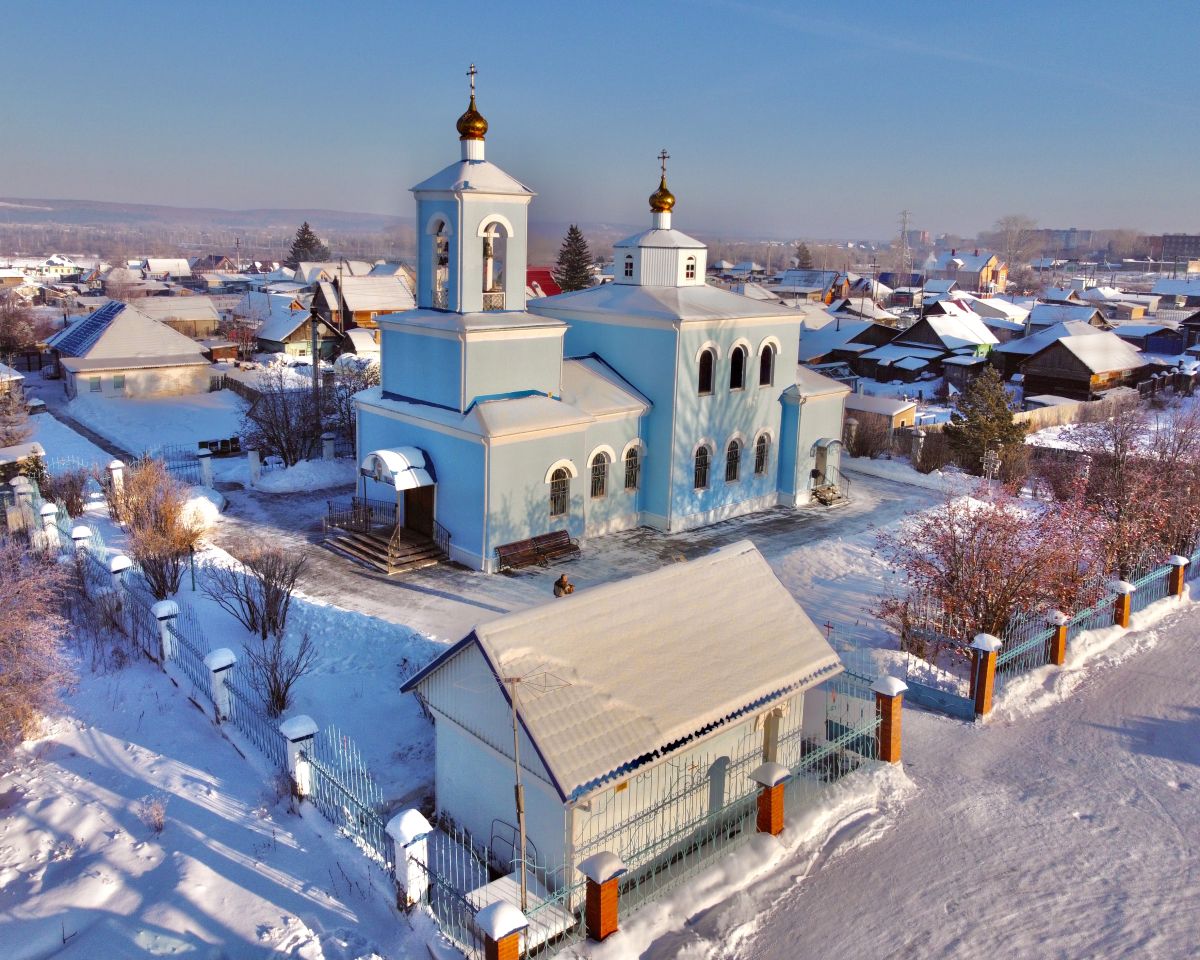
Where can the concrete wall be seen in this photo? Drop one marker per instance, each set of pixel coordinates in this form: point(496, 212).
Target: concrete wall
point(153, 382)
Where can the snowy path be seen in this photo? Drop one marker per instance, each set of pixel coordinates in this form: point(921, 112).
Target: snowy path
point(1068, 833)
point(233, 874)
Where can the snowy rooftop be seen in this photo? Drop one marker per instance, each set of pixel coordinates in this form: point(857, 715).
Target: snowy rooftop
point(1104, 352)
point(464, 176)
point(889, 406)
point(641, 675)
point(1044, 314)
point(1043, 338)
point(468, 322)
point(374, 293)
point(666, 305)
point(177, 308)
point(654, 237)
point(809, 383)
point(832, 336)
point(961, 330)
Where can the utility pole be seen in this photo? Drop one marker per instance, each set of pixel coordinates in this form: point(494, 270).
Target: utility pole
point(905, 264)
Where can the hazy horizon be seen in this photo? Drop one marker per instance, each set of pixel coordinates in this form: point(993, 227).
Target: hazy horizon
point(780, 123)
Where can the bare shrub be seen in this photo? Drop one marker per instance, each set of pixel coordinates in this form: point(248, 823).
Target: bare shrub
point(871, 439)
point(350, 376)
point(152, 811)
point(33, 666)
point(260, 597)
point(162, 532)
point(274, 671)
point(935, 452)
point(284, 420)
point(68, 488)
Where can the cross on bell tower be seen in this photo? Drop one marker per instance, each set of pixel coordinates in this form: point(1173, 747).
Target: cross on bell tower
point(663, 156)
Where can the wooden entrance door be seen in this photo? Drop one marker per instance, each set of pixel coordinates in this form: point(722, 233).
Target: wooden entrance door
point(418, 510)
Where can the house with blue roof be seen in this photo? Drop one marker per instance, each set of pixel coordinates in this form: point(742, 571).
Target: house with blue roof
point(657, 399)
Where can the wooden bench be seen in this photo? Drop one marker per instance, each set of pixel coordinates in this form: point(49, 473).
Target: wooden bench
point(513, 556)
point(555, 546)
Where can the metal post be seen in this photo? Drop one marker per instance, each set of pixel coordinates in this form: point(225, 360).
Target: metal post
point(518, 789)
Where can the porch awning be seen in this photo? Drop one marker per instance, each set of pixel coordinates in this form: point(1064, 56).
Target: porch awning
point(405, 468)
point(826, 442)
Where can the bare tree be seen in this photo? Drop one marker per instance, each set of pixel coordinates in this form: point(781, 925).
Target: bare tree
point(274, 670)
point(283, 420)
point(260, 597)
point(350, 377)
point(243, 334)
point(162, 531)
point(33, 666)
point(20, 327)
point(1015, 237)
point(68, 487)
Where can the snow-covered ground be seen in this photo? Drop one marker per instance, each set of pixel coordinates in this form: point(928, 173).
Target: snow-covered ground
point(138, 424)
point(305, 475)
point(64, 445)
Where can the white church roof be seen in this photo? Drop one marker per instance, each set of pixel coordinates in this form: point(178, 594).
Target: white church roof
point(653, 660)
point(595, 388)
point(467, 322)
point(655, 237)
point(666, 305)
point(479, 176)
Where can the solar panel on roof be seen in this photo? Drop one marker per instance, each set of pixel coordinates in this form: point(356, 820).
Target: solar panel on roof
point(83, 335)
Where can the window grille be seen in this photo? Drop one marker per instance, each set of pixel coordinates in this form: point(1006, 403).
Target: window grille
point(766, 366)
point(733, 461)
point(629, 266)
point(599, 476)
point(689, 269)
point(560, 492)
point(761, 454)
point(702, 468)
point(632, 469)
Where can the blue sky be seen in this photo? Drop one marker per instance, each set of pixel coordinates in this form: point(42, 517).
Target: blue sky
point(783, 119)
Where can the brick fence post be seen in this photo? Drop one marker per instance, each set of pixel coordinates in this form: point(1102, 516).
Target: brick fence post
point(889, 697)
point(407, 834)
point(501, 924)
point(327, 446)
point(219, 663)
point(601, 909)
point(771, 778)
point(1056, 646)
point(299, 731)
point(1178, 580)
point(984, 649)
point(1124, 591)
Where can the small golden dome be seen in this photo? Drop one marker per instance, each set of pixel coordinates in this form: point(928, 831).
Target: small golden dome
point(662, 199)
point(471, 125)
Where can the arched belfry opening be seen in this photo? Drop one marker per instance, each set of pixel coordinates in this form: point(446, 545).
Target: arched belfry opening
point(495, 254)
point(440, 275)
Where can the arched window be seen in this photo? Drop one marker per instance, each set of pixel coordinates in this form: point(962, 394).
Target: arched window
point(702, 458)
point(629, 265)
point(762, 453)
point(599, 475)
point(441, 266)
point(633, 468)
point(560, 492)
point(704, 379)
point(766, 365)
point(495, 246)
point(737, 369)
point(689, 269)
point(733, 461)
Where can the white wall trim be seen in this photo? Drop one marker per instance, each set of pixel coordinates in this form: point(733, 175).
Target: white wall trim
point(435, 218)
point(715, 348)
point(704, 442)
point(499, 218)
point(641, 449)
point(745, 344)
point(568, 465)
point(603, 448)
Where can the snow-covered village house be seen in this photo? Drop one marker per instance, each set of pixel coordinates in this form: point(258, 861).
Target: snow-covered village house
point(643, 707)
point(656, 399)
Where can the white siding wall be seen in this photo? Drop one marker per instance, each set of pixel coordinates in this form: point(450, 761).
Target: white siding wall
point(163, 381)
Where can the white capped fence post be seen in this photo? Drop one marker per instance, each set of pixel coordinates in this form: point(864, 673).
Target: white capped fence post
point(164, 612)
point(117, 567)
point(116, 475)
point(80, 535)
point(219, 663)
point(299, 732)
point(255, 461)
point(601, 906)
point(407, 833)
point(501, 924)
point(50, 526)
point(22, 491)
point(206, 476)
point(327, 446)
point(1178, 581)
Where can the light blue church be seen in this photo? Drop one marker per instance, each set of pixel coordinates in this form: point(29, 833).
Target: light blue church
point(655, 400)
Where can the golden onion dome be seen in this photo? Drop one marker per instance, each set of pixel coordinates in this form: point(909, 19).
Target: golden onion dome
point(471, 125)
point(662, 199)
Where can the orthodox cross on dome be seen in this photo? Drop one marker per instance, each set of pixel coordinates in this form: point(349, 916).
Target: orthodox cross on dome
point(663, 156)
point(662, 200)
point(471, 73)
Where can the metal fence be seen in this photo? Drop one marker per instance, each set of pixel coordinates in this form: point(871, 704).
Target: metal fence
point(346, 793)
point(1149, 588)
point(247, 714)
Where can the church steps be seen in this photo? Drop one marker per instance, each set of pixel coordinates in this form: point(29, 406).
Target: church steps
point(413, 553)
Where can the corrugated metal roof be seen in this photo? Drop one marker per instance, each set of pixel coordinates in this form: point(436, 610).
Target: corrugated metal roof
point(650, 662)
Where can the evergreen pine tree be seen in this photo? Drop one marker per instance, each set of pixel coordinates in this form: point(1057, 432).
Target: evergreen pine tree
point(306, 246)
point(804, 260)
point(983, 420)
point(573, 270)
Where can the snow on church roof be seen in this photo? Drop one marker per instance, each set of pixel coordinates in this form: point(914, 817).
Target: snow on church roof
point(479, 176)
point(653, 660)
point(667, 305)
